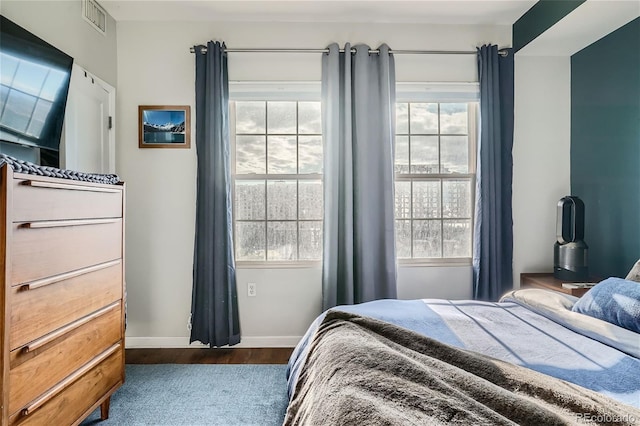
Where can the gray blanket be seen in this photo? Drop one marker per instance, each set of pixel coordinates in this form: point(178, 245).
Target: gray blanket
point(362, 371)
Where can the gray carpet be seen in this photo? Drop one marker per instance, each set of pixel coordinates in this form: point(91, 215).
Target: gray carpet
point(203, 394)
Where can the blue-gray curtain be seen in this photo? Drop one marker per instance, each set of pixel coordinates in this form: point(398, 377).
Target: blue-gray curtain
point(493, 233)
point(214, 305)
point(358, 113)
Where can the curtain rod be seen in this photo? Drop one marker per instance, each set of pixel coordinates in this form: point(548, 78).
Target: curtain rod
point(395, 52)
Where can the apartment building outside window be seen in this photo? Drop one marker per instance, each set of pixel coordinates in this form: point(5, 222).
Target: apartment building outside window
point(435, 179)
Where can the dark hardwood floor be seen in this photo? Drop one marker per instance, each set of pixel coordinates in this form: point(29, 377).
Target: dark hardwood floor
point(208, 356)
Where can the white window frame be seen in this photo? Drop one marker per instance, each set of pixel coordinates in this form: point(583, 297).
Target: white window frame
point(462, 92)
point(405, 92)
point(298, 91)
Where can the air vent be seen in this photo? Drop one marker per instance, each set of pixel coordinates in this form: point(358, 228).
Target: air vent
point(95, 14)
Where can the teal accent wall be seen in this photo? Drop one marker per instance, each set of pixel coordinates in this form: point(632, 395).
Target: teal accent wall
point(542, 16)
point(605, 147)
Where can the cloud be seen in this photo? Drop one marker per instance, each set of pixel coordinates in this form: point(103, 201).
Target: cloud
point(250, 154)
point(281, 154)
point(281, 117)
point(250, 117)
point(310, 154)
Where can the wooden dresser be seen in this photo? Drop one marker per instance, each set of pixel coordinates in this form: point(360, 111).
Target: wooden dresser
point(62, 307)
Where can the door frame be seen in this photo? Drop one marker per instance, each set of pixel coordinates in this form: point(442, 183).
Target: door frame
point(111, 141)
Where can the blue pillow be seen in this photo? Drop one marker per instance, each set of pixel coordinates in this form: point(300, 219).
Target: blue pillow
point(613, 300)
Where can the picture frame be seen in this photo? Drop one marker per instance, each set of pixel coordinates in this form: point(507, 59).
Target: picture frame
point(164, 126)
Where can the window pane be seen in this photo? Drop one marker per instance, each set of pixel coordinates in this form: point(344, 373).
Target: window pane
point(29, 77)
point(310, 237)
point(424, 154)
point(282, 201)
point(281, 118)
point(282, 154)
point(8, 66)
point(18, 110)
point(455, 154)
point(309, 118)
point(250, 154)
point(39, 117)
point(426, 199)
point(250, 117)
point(52, 84)
point(250, 200)
point(457, 238)
point(456, 198)
point(250, 241)
point(309, 154)
point(282, 238)
point(423, 118)
point(454, 119)
point(4, 92)
point(310, 193)
point(402, 154)
point(403, 238)
point(402, 118)
point(427, 237)
point(403, 200)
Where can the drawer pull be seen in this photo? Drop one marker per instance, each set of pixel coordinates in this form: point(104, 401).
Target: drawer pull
point(38, 343)
point(71, 187)
point(44, 398)
point(61, 223)
point(66, 276)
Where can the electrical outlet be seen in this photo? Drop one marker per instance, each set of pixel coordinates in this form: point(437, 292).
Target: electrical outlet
point(251, 289)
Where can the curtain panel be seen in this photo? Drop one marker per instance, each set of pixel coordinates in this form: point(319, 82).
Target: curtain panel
point(358, 113)
point(214, 306)
point(493, 230)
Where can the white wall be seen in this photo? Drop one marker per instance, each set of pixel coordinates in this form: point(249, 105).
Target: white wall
point(435, 282)
point(155, 67)
point(541, 157)
point(60, 23)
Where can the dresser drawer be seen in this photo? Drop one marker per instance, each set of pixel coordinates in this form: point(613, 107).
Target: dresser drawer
point(43, 249)
point(71, 399)
point(34, 372)
point(41, 310)
point(35, 200)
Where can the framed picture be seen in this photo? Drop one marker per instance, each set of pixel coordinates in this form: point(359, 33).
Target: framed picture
point(164, 126)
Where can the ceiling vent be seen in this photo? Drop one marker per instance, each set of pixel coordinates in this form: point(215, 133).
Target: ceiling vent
point(95, 15)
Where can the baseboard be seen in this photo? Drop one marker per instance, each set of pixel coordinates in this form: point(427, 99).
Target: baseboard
point(183, 342)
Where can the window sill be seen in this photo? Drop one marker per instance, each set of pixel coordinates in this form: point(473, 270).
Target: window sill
point(302, 264)
point(316, 264)
point(431, 263)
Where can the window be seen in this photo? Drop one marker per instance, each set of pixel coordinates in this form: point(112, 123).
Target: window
point(435, 179)
point(277, 175)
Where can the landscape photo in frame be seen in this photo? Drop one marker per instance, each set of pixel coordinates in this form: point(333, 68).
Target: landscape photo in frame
point(164, 126)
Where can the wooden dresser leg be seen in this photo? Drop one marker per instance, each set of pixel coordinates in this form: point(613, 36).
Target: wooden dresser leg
point(104, 409)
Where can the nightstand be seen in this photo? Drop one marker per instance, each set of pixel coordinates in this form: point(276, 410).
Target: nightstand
point(549, 282)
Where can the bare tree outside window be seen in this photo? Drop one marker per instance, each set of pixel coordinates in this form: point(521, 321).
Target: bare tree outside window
point(277, 180)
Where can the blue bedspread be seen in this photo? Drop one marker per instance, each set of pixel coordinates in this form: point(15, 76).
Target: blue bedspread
point(507, 331)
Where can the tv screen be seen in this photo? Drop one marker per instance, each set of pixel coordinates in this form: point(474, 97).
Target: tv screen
point(34, 81)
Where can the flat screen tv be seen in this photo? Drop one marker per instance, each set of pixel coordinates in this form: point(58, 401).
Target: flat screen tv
point(35, 79)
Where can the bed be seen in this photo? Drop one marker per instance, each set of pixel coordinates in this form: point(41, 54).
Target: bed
point(532, 358)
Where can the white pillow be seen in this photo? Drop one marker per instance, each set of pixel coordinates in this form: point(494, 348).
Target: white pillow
point(634, 274)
